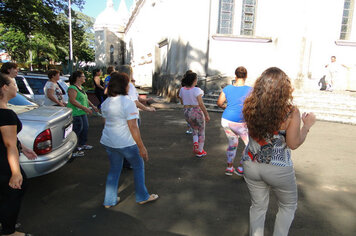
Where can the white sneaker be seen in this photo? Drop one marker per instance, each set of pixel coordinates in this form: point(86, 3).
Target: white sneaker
point(189, 131)
point(78, 154)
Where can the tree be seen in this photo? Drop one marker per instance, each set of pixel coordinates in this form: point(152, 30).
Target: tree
point(41, 27)
point(14, 42)
point(34, 15)
point(86, 45)
point(83, 36)
point(44, 49)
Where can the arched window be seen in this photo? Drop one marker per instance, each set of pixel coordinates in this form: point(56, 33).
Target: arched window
point(111, 54)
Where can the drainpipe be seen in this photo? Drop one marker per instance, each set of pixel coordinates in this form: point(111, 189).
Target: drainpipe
point(208, 47)
point(70, 37)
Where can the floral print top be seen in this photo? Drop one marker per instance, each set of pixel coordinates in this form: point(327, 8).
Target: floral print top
point(274, 151)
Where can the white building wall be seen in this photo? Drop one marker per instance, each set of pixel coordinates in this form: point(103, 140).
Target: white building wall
point(100, 53)
point(302, 33)
point(181, 23)
point(284, 27)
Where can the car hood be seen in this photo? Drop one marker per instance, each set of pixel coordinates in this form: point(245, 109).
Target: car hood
point(45, 113)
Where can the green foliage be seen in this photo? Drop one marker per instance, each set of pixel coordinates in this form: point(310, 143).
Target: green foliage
point(89, 82)
point(14, 42)
point(34, 15)
point(83, 43)
point(41, 26)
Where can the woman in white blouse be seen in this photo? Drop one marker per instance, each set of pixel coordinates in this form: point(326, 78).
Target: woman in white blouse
point(53, 93)
point(122, 139)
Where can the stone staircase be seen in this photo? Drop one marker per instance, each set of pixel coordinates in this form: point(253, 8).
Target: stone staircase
point(337, 106)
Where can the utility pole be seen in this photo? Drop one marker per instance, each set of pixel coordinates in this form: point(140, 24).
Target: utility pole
point(70, 38)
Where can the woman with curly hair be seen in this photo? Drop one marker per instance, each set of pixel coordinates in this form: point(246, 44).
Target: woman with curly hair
point(274, 129)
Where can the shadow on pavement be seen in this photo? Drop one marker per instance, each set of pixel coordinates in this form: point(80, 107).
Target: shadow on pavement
point(196, 198)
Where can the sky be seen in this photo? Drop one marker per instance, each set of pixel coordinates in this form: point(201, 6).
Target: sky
point(94, 7)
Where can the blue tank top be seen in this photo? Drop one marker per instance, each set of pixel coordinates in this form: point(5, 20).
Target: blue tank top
point(235, 97)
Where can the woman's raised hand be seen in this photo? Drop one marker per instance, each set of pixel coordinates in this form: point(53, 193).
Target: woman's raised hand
point(308, 119)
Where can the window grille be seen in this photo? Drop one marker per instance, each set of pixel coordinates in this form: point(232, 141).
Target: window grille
point(226, 17)
point(346, 22)
point(248, 17)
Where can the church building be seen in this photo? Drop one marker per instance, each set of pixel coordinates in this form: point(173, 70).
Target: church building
point(161, 39)
point(109, 30)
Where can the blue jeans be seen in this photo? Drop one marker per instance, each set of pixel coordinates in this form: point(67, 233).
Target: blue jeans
point(80, 127)
point(116, 157)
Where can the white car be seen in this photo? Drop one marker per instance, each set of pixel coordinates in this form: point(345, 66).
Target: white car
point(31, 85)
point(48, 130)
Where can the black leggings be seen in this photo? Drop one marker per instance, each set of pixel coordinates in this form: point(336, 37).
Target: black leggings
point(10, 203)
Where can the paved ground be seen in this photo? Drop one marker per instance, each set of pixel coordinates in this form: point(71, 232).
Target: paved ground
point(197, 199)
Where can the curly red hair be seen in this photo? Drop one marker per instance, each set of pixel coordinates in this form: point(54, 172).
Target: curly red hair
point(269, 104)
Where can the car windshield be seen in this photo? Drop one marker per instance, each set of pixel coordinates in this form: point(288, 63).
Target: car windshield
point(20, 104)
point(37, 84)
point(21, 100)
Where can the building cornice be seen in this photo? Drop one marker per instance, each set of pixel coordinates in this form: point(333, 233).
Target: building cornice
point(239, 38)
point(134, 13)
point(345, 43)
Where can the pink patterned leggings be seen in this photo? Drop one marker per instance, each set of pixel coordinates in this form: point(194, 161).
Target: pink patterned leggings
point(233, 131)
point(196, 119)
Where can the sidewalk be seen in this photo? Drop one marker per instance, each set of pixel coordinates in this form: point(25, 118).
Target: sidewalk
point(196, 198)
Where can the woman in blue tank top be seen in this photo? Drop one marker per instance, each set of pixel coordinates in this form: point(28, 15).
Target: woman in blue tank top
point(232, 119)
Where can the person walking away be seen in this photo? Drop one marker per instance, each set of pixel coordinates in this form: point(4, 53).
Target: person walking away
point(13, 182)
point(53, 93)
point(194, 111)
point(79, 103)
point(274, 129)
point(189, 130)
point(121, 139)
point(232, 119)
point(109, 70)
point(134, 96)
point(99, 86)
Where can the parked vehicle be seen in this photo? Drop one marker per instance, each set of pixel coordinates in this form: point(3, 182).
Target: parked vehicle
point(31, 85)
point(46, 129)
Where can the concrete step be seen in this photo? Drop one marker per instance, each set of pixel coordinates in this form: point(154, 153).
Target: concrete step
point(212, 106)
point(212, 95)
point(338, 106)
point(215, 110)
point(210, 100)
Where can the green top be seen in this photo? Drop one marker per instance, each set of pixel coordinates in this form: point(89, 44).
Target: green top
point(82, 98)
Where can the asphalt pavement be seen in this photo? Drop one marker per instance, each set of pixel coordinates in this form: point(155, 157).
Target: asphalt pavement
point(196, 198)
